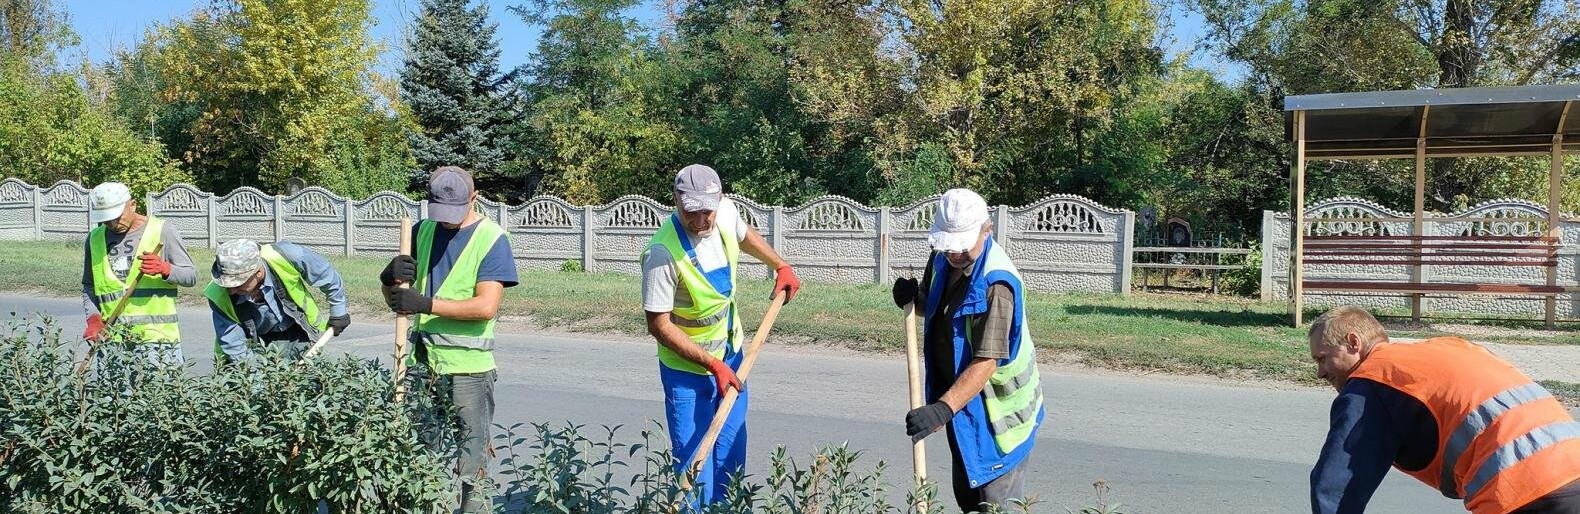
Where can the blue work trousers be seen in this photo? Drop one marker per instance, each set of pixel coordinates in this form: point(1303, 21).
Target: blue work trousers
point(689, 403)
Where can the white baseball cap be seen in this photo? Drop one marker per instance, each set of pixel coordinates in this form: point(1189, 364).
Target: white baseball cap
point(106, 202)
point(699, 188)
point(961, 214)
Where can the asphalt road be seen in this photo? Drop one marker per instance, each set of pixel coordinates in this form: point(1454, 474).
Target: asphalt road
point(1176, 445)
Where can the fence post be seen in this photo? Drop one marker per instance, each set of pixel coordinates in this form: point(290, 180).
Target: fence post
point(279, 218)
point(348, 215)
point(38, 213)
point(213, 221)
point(148, 203)
point(778, 220)
point(1127, 252)
point(588, 218)
point(1266, 288)
point(884, 217)
point(1001, 228)
point(422, 210)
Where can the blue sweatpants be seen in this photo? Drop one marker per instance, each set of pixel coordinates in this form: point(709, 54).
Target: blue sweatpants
point(689, 403)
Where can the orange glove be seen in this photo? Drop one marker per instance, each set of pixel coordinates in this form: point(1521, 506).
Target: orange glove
point(724, 377)
point(785, 280)
point(95, 326)
point(153, 265)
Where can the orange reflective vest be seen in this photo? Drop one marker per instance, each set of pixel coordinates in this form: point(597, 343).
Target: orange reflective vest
point(1503, 440)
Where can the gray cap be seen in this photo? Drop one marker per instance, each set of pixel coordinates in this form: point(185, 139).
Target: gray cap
point(449, 194)
point(235, 262)
point(699, 188)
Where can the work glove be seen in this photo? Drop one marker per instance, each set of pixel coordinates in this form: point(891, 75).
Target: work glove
point(409, 301)
point(154, 265)
point(785, 280)
point(339, 323)
point(907, 291)
point(724, 377)
point(401, 269)
point(923, 421)
point(95, 327)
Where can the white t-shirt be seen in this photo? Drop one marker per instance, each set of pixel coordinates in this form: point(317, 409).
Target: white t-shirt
point(661, 287)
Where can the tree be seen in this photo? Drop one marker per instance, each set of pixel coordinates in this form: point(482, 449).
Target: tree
point(1016, 90)
point(452, 85)
point(50, 128)
point(592, 128)
point(1321, 46)
point(280, 91)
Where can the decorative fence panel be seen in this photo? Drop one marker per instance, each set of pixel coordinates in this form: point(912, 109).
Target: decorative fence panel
point(1354, 216)
point(1062, 243)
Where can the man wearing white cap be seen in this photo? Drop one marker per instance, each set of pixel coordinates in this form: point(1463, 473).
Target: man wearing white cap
point(120, 251)
point(688, 291)
point(982, 378)
point(461, 265)
point(262, 293)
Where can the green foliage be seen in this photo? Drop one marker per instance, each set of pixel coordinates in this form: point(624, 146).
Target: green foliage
point(571, 266)
point(451, 84)
point(270, 436)
point(1247, 280)
point(280, 91)
point(50, 131)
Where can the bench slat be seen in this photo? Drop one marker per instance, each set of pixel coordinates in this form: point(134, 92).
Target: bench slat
point(1470, 239)
point(1429, 262)
point(1406, 287)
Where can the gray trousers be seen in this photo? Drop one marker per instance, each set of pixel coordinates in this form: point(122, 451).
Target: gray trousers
point(472, 396)
point(999, 492)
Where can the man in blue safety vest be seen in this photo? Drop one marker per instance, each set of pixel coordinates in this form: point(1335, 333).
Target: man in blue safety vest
point(982, 378)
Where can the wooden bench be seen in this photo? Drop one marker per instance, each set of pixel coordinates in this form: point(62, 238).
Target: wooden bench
point(1523, 251)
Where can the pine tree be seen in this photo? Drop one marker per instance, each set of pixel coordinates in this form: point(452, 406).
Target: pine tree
point(452, 85)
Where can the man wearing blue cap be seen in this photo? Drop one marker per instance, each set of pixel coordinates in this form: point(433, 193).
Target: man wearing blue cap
point(688, 291)
point(461, 265)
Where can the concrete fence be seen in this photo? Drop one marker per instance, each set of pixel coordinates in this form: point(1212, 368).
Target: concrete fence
point(1060, 243)
point(1354, 216)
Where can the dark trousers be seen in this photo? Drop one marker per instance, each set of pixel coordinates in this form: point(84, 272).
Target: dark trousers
point(1566, 500)
point(472, 396)
point(1000, 491)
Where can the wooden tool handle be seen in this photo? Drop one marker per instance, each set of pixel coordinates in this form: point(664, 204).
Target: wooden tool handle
point(711, 437)
point(913, 367)
point(120, 305)
point(402, 323)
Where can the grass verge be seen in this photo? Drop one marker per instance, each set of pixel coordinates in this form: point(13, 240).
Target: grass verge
point(1150, 332)
point(1567, 392)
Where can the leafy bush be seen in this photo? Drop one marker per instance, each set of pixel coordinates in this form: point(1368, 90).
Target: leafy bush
point(264, 437)
point(277, 436)
point(1247, 280)
point(571, 266)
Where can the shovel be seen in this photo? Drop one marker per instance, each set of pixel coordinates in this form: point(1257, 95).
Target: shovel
point(711, 437)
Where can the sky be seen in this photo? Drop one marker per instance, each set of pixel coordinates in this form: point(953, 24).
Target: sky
point(105, 25)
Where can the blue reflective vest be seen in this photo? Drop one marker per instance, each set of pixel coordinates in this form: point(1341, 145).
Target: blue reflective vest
point(997, 428)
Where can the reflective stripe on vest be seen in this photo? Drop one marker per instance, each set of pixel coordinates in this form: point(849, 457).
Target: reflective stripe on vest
point(460, 284)
point(150, 314)
point(1520, 449)
point(708, 317)
point(1477, 421)
point(1504, 441)
point(1013, 395)
point(296, 291)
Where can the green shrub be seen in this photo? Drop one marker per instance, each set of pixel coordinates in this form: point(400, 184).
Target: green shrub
point(571, 266)
point(1247, 279)
point(265, 437)
point(276, 436)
